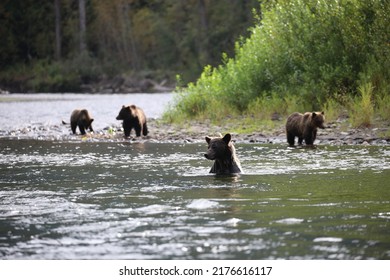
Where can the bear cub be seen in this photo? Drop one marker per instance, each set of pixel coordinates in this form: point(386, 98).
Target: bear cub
point(304, 126)
point(222, 151)
point(133, 117)
point(82, 119)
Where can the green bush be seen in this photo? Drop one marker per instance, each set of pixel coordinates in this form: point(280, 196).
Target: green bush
point(362, 107)
point(383, 105)
point(333, 110)
point(54, 76)
point(302, 52)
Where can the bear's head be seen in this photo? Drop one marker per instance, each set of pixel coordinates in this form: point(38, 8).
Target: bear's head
point(86, 119)
point(89, 125)
point(219, 147)
point(318, 119)
point(126, 112)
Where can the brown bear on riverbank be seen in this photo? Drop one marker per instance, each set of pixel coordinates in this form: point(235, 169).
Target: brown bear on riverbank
point(304, 126)
point(222, 150)
point(82, 119)
point(133, 117)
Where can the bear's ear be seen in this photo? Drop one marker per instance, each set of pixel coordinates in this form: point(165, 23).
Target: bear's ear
point(91, 120)
point(322, 113)
point(227, 138)
point(208, 139)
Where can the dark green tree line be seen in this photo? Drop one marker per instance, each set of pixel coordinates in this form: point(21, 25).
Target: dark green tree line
point(118, 35)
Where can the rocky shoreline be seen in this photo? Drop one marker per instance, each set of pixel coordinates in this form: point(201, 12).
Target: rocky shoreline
point(334, 134)
point(337, 133)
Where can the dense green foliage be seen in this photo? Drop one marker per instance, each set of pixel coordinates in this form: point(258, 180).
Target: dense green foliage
point(122, 36)
point(301, 55)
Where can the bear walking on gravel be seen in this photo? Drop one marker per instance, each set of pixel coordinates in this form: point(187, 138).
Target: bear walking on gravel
point(82, 119)
point(133, 117)
point(304, 126)
point(222, 150)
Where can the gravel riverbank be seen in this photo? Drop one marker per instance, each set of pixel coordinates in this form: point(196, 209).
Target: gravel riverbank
point(337, 133)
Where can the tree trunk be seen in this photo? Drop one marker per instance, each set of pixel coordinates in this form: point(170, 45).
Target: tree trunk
point(134, 59)
point(83, 26)
point(57, 10)
point(203, 40)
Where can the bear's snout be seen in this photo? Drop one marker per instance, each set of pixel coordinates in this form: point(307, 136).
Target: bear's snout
point(210, 156)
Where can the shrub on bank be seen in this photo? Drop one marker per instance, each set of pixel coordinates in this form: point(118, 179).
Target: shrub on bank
point(362, 107)
point(299, 56)
point(67, 75)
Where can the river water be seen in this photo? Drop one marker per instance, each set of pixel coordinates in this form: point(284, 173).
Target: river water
point(64, 199)
point(40, 115)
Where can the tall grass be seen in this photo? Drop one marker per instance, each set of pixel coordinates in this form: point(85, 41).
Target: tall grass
point(383, 106)
point(362, 107)
point(333, 109)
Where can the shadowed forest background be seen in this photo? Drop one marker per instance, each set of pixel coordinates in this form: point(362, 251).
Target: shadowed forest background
point(60, 45)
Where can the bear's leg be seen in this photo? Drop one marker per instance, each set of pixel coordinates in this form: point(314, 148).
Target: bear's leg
point(145, 129)
point(138, 129)
point(73, 126)
point(300, 140)
point(290, 139)
point(127, 131)
point(314, 135)
point(82, 129)
point(309, 140)
point(127, 126)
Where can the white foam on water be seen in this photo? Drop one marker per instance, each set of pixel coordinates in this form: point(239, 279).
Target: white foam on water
point(290, 221)
point(153, 209)
point(232, 222)
point(328, 239)
point(201, 204)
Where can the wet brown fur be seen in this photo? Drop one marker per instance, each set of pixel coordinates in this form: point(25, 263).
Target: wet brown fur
point(304, 126)
point(133, 117)
point(82, 119)
point(222, 151)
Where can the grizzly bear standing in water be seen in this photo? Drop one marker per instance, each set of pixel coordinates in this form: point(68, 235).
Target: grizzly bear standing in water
point(304, 126)
point(82, 119)
point(133, 117)
point(221, 150)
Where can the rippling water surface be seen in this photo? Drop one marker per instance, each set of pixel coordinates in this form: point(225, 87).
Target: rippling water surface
point(129, 200)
